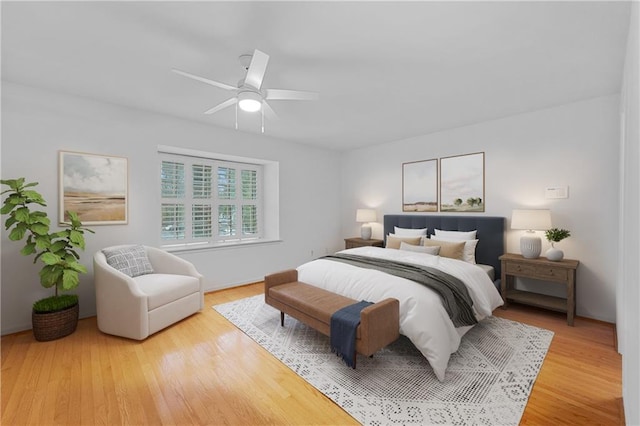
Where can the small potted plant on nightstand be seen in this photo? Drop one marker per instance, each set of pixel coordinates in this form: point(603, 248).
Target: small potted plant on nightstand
point(555, 235)
point(56, 316)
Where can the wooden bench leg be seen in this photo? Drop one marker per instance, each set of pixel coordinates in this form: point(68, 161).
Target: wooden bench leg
point(355, 357)
point(281, 319)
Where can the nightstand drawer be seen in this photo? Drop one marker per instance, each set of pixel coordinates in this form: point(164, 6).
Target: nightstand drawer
point(359, 242)
point(537, 271)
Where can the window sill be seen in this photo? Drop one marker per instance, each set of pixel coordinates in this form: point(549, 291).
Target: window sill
point(218, 246)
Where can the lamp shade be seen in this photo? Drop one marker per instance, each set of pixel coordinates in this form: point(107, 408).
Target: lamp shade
point(365, 215)
point(535, 220)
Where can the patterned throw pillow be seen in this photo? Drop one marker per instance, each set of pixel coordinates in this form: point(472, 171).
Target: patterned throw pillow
point(130, 260)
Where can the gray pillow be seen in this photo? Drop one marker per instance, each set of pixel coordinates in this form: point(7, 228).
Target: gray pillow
point(130, 260)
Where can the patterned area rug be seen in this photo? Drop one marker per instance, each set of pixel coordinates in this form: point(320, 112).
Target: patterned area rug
point(488, 380)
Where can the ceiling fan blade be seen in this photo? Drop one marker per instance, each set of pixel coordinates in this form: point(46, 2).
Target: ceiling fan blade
point(205, 80)
point(269, 112)
point(221, 106)
point(256, 70)
point(291, 95)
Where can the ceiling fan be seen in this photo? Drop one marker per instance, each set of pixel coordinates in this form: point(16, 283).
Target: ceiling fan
point(249, 94)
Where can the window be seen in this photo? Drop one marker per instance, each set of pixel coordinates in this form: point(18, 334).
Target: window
point(205, 201)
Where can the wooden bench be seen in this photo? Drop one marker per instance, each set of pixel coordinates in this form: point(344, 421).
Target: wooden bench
point(379, 323)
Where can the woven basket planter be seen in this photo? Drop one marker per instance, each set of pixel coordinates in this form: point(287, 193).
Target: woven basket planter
point(54, 325)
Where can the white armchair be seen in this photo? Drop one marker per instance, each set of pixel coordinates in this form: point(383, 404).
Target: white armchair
point(136, 307)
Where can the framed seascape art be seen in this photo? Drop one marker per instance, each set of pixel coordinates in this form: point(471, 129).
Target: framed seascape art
point(94, 186)
point(420, 186)
point(462, 183)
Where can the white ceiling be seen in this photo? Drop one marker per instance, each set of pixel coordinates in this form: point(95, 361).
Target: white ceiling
point(384, 71)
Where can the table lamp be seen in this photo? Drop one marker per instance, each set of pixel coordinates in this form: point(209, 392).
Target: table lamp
point(365, 216)
point(531, 220)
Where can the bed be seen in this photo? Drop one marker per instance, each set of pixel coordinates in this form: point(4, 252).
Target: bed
point(423, 316)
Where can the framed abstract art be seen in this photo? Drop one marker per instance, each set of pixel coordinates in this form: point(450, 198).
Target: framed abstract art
point(94, 186)
point(462, 183)
point(420, 186)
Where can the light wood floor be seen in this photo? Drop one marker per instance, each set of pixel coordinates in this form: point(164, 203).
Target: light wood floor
point(206, 371)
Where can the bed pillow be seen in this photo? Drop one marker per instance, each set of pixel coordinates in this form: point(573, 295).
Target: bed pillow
point(434, 250)
point(406, 232)
point(469, 254)
point(451, 249)
point(130, 260)
point(456, 235)
point(393, 241)
point(422, 237)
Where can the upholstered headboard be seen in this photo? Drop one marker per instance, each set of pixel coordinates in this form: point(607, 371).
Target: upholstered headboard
point(490, 232)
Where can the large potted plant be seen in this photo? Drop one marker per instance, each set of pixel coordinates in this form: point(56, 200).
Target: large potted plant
point(55, 316)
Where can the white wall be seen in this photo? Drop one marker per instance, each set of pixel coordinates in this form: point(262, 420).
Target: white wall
point(574, 145)
point(628, 292)
point(36, 124)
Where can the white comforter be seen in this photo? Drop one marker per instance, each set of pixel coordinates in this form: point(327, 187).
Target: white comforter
point(423, 318)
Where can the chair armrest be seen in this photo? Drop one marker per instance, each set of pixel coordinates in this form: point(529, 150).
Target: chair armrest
point(164, 262)
point(379, 325)
point(121, 307)
point(118, 282)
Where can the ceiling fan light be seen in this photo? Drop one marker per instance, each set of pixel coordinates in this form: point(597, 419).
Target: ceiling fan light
point(249, 101)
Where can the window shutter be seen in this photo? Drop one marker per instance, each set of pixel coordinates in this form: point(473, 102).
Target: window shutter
point(202, 180)
point(249, 184)
point(173, 222)
point(172, 179)
point(249, 220)
point(249, 209)
point(201, 220)
point(172, 182)
point(226, 220)
point(208, 202)
point(226, 183)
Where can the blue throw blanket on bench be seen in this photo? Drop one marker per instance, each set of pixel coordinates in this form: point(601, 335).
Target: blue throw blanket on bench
point(344, 323)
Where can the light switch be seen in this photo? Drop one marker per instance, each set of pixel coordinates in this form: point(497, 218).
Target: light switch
point(555, 192)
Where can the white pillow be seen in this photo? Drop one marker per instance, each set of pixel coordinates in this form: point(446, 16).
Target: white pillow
point(469, 254)
point(396, 236)
point(406, 232)
point(458, 235)
point(434, 250)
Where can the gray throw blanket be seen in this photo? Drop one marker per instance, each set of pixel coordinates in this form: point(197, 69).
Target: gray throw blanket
point(454, 294)
point(344, 324)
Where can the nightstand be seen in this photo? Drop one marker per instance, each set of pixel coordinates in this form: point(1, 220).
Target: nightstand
point(359, 242)
point(561, 272)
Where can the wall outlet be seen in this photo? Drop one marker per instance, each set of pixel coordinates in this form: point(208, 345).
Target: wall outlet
point(555, 192)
